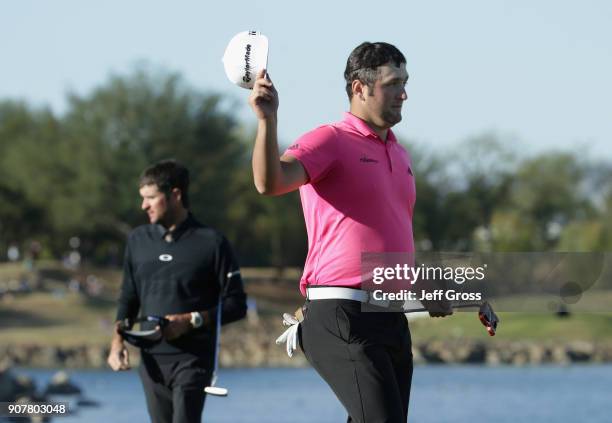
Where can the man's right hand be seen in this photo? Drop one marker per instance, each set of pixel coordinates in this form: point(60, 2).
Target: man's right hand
point(118, 358)
point(264, 98)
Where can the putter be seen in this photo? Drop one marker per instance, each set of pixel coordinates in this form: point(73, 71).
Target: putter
point(212, 389)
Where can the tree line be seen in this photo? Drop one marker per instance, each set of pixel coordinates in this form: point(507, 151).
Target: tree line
point(76, 174)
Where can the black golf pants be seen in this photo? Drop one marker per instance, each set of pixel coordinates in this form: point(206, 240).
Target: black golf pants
point(365, 357)
point(174, 389)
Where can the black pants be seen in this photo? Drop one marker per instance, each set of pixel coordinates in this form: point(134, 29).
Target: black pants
point(365, 357)
point(174, 389)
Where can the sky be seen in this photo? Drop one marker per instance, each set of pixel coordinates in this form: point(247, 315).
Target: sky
point(535, 73)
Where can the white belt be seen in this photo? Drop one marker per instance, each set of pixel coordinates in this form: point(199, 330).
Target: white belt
point(337, 293)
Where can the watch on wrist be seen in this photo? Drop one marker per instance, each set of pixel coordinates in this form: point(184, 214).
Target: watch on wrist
point(196, 319)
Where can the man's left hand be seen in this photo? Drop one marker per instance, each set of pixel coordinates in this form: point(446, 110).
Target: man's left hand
point(438, 308)
point(178, 325)
point(441, 313)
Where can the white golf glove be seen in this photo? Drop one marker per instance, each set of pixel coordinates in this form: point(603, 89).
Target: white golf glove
point(290, 335)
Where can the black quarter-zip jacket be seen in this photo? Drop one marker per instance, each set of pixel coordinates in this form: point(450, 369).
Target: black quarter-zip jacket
point(185, 274)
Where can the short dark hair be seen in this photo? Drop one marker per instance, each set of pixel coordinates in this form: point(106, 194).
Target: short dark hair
point(168, 174)
point(364, 60)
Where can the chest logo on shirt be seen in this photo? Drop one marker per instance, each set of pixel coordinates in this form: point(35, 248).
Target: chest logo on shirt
point(165, 257)
point(365, 159)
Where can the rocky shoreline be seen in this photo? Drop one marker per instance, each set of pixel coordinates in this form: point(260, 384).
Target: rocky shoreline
point(251, 344)
point(252, 351)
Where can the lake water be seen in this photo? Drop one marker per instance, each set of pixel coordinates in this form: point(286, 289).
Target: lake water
point(439, 394)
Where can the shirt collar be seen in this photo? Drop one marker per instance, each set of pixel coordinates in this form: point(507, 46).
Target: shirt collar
point(364, 129)
point(178, 231)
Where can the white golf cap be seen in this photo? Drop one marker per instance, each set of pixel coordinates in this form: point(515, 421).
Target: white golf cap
point(245, 55)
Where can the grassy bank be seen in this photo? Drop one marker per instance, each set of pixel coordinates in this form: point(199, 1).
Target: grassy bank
point(53, 315)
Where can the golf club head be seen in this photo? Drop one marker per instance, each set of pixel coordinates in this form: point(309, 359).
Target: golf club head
point(488, 318)
point(245, 55)
point(217, 391)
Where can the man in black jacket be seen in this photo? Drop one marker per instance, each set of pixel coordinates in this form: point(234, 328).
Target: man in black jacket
point(177, 268)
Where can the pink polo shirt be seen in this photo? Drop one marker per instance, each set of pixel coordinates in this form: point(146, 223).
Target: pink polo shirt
point(360, 198)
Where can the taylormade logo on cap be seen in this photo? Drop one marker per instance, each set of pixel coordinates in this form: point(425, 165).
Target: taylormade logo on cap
point(245, 55)
point(247, 64)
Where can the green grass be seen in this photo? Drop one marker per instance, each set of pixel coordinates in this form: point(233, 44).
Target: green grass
point(56, 317)
point(541, 327)
point(535, 323)
point(47, 319)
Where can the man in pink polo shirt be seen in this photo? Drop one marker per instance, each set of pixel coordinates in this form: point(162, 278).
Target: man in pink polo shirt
point(360, 197)
point(358, 193)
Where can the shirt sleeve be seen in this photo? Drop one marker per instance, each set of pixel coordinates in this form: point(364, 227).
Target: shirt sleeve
point(316, 150)
point(129, 303)
point(233, 296)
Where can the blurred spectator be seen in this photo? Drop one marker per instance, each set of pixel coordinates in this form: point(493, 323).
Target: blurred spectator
point(12, 253)
point(35, 250)
point(74, 286)
point(252, 314)
point(74, 242)
point(94, 287)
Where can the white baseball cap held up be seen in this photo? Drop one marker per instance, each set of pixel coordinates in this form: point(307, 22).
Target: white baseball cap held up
point(245, 55)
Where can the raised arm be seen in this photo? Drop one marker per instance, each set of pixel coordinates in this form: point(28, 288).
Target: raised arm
point(272, 174)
